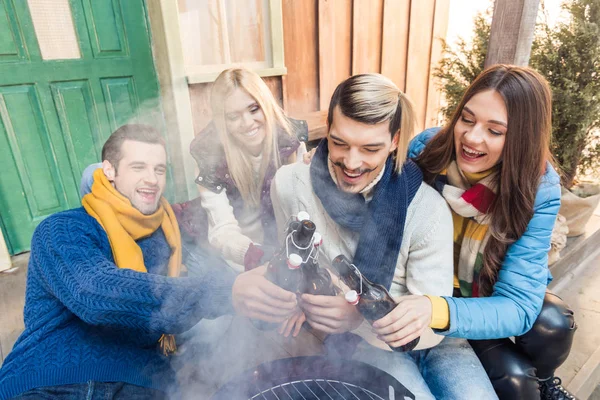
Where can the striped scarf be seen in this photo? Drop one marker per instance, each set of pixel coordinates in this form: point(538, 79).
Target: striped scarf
point(469, 204)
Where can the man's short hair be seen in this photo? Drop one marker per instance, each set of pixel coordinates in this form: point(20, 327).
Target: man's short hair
point(368, 99)
point(372, 99)
point(111, 151)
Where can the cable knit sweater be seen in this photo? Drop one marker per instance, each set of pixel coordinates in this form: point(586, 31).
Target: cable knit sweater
point(86, 319)
point(425, 260)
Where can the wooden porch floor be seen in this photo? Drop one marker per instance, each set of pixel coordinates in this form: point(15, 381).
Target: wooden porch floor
point(12, 300)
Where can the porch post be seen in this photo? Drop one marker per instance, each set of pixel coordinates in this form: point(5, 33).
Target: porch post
point(175, 96)
point(513, 25)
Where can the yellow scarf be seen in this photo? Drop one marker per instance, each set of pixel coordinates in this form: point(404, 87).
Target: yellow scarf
point(124, 224)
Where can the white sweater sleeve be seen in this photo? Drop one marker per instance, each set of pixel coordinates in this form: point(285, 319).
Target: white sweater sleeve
point(282, 189)
point(430, 268)
point(224, 232)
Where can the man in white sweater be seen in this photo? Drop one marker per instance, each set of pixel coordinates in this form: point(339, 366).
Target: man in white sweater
point(372, 206)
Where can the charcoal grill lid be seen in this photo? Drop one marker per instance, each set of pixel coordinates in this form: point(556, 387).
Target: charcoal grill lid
point(252, 383)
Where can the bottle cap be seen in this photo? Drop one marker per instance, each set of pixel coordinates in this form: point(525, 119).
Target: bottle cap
point(302, 215)
point(294, 261)
point(317, 239)
point(352, 297)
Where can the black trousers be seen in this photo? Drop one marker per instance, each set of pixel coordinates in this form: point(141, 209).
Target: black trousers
point(514, 368)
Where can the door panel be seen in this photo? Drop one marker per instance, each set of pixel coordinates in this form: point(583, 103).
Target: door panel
point(31, 187)
point(120, 98)
point(105, 24)
point(27, 134)
point(11, 40)
point(9, 50)
point(56, 114)
point(79, 123)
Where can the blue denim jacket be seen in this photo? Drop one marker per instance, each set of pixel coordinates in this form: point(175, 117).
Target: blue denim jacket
point(519, 292)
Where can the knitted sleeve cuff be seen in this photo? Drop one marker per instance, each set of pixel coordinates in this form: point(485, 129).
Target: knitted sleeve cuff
point(252, 257)
point(440, 316)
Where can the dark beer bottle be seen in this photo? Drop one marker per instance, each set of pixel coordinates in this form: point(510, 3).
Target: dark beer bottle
point(285, 268)
point(286, 273)
point(373, 300)
point(317, 280)
point(302, 239)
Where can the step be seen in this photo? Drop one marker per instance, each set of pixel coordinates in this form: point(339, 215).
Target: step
point(576, 279)
point(578, 287)
point(577, 250)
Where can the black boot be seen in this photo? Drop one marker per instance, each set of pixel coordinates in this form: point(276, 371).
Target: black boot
point(551, 389)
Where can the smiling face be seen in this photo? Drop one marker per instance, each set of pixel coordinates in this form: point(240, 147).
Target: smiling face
point(141, 174)
point(245, 121)
point(358, 151)
point(480, 132)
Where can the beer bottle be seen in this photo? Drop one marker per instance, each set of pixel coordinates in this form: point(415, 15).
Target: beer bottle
point(317, 280)
point(286, 273)
point(285, 269)
point(373, 300)
point(302, 239)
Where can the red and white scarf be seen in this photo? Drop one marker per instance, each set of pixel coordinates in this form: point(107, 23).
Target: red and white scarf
point(471, 202)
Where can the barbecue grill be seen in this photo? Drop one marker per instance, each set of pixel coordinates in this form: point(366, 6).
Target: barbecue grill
point(304, 378)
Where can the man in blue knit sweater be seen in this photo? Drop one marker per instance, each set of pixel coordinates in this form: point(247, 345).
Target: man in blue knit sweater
point(104, 296)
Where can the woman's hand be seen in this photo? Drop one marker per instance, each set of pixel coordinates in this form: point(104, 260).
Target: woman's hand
point(254, 296)
point(293, 323)
point(406, 322)
point(307, 157)
point(330, 314)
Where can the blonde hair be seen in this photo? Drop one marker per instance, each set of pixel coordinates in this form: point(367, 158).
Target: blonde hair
point(372, 99)
point(238, 159)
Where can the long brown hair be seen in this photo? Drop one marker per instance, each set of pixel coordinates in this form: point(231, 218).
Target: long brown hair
point(526, 151)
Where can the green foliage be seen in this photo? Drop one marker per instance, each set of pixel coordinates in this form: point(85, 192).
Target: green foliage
point(568, 55)
point(458, 68)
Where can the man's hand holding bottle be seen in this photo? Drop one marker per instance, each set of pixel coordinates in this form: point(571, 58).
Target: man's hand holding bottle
point(255, 297)
point(293, 324)
point(330, 314)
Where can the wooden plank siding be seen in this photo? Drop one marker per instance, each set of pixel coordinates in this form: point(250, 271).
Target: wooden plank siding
point(419, 56)
point(394, 47)
point(200, 104)
point(325, 41)
point(300, 41)
point(335, 46)
point(366, 36)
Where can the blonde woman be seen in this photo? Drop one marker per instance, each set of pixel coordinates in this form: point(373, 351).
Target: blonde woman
point(238, 154)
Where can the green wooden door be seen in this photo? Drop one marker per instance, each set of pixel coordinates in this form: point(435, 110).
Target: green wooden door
point(56, 114)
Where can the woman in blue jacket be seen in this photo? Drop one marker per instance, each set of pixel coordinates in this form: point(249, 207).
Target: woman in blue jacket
point(491, 163)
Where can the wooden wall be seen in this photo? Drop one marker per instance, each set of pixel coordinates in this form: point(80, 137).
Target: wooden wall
point(326, 41)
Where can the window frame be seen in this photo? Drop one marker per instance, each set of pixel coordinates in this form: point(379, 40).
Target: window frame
point(208, 73)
